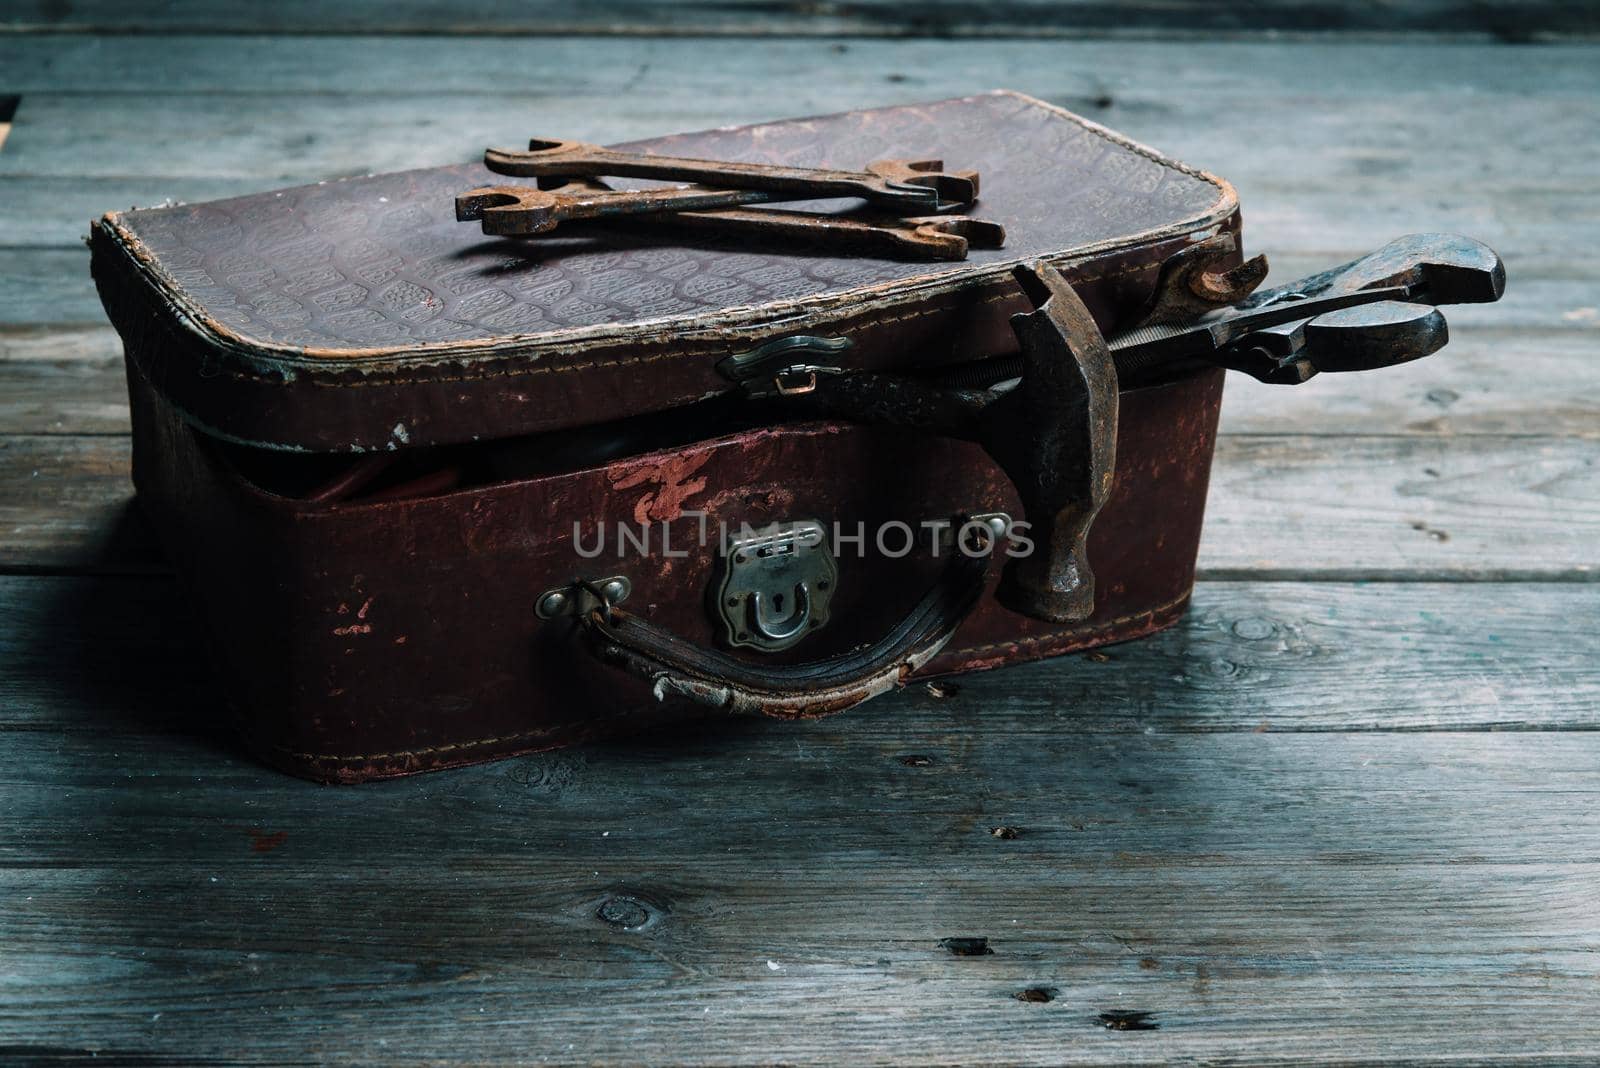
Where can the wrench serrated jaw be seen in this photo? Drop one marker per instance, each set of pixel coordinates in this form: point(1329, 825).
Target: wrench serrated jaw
point(950, 187)
point(507, 211)
point(979, 233)
point(472, 204)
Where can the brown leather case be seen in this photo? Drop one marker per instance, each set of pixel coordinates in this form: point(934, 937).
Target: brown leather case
point(513, 389)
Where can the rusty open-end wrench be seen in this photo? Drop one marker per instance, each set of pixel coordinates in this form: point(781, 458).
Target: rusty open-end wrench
point(519, 211)
point(930, 237)
point(904, 186)
point(923, 237)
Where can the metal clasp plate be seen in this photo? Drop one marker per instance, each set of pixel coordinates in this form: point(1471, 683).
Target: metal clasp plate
point(582, 597)
point(775, 586)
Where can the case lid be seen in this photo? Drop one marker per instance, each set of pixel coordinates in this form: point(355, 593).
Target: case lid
point(359, 314)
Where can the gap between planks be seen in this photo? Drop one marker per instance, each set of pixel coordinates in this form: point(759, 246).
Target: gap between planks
point(1515, 20)
point(1498, 381)
point(1350, 508)
point(695, 74)
point(123, 655)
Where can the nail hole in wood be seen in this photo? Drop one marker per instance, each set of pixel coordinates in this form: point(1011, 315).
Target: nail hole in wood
point(967, 947)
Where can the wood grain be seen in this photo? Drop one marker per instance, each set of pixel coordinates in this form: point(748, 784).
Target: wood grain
point(1418, 508)
point(1247, 890)
point(125, 656)
point(1496, 381)
point(698, 74)
point(1323, 819)
point(1514, 20)
point(296, 136)
point(1490, 380)
point(1281, 506)
point(67, 502)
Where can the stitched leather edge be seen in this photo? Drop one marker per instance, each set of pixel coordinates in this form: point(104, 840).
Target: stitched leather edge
point(793, 314)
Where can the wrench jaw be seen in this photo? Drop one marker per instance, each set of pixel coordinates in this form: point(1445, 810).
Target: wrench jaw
point(544, 156)
point(519, 211)
point(1199, 279)
point(1431, 268)
point(905, 186)
point(507, 210)
point(1363, 338)
point(953, 188)
point(976, 233)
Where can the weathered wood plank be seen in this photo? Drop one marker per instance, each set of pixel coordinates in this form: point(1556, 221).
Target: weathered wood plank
point(65, 397)
point(47, 212)
point(58, 345)
point(47, 286)
point(297, 136)
point(1246, 890)
point(592, 83)
point(1348, 508)
point(837, 963)
point(1515, 20)
point(1488, 381)
point(124, 655)
point(706, 70)
point(1078, 800)
point(1409, 507)
point(67, 501)
point(62, 380)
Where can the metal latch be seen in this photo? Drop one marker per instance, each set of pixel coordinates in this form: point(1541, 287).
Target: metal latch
point(775, 586)
point(778, 357)
point(582, 597)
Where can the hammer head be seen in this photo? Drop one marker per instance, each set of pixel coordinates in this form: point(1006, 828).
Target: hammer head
point(1055, 436)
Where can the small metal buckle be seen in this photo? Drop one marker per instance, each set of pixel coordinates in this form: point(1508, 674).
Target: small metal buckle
point(780, 381)
point(775, 586)
point(785, 386)
point(748, 367)
point(996, 525)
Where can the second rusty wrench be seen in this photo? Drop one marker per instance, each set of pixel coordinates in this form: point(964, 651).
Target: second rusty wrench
point(518, 211)
point(905, 186)
point(927, 237)
point(510, 210)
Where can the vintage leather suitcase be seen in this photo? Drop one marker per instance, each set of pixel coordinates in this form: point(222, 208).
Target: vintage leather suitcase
point(381, 448)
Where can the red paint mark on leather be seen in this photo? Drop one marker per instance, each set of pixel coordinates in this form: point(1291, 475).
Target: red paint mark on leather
point(672, 481)
point(262, 842)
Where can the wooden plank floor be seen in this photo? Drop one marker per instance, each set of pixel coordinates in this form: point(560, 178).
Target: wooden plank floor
point(1347, 812)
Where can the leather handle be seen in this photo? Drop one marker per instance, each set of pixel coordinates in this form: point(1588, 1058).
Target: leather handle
point(677, 667)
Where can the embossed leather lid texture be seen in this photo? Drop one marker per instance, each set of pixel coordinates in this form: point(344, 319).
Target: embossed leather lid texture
point(371, 281)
